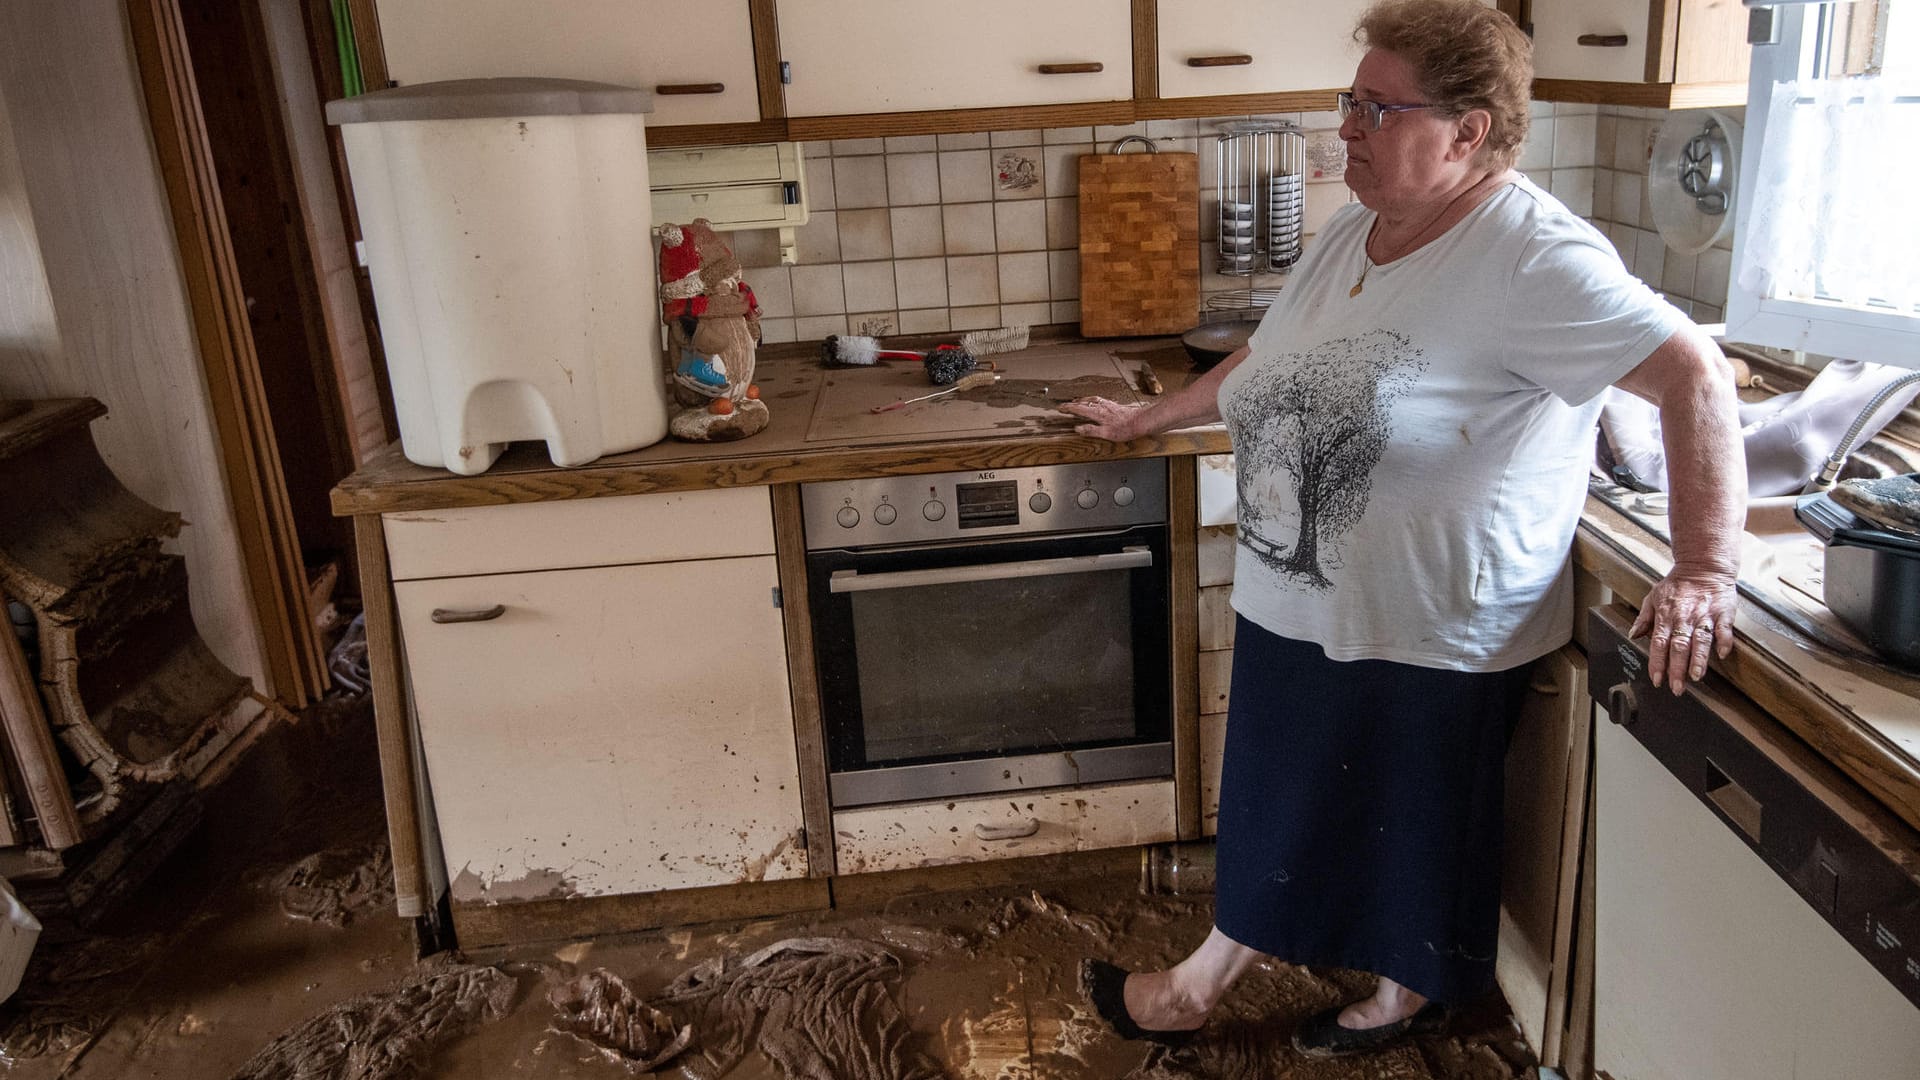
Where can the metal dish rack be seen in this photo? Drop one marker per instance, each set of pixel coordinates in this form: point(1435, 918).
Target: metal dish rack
point(1259, 179)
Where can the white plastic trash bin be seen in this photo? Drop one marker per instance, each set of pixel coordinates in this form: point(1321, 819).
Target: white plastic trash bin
point(507, 224)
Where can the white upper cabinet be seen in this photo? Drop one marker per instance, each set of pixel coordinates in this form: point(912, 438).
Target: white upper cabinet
point(644, 43)
point(1291, 45)
point(1575, 39)
point(877, 56)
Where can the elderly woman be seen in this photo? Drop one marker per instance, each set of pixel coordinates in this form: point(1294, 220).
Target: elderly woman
point(1412, 424)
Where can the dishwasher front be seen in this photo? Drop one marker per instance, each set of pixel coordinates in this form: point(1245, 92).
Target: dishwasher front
point(1757, 915)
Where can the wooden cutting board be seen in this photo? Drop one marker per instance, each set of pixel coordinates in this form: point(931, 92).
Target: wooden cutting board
point(1139, 244)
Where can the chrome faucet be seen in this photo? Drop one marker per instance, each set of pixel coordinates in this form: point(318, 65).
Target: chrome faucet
point(1842, 450)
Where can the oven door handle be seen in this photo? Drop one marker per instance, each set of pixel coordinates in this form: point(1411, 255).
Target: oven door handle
point(1130, 558)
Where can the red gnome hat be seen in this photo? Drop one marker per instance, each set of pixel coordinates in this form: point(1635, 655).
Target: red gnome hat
point(679, 265)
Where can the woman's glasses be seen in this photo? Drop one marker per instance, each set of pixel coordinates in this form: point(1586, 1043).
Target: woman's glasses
point(1371, 111)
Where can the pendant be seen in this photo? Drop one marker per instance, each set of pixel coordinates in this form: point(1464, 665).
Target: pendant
point(1355, 291)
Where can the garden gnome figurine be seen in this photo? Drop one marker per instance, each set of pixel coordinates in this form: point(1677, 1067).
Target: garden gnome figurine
point(713, 326)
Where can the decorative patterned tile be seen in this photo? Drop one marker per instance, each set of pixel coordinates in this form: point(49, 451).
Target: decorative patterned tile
point(1019, 173)
point(874, 323)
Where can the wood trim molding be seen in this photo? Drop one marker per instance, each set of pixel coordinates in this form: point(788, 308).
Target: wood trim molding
point(1663, 40)
point(367, 42)
point(809, 726)
point(959, 121)
point(385, 667)
point(1146, 49)
point(1236, 104)
point(1183, 542)
point(1644, 95)
point(766, 59)
point(256, 490)
point(485, 925)
point(715, 134)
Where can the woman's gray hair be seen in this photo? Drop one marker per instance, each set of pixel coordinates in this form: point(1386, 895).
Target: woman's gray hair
point(1465, 55)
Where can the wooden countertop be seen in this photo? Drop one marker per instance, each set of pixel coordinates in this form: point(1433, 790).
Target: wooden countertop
point(1861, 717)
point(791, 385)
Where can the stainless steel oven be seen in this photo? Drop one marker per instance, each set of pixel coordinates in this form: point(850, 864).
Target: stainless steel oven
point(991, 631)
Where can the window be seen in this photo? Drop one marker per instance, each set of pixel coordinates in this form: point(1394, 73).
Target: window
point(1827, 229)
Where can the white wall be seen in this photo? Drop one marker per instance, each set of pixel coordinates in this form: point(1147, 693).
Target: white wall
point(92, 300)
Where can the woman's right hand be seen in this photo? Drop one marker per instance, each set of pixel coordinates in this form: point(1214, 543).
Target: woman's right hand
point(1111, 420)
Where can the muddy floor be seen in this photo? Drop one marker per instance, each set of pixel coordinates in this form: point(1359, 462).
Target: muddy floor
point(275, 925)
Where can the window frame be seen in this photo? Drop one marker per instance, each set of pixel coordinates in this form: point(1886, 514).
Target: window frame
point(1827, 328)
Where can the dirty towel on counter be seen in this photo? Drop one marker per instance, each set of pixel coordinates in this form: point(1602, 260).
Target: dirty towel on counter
point(819, 1008)
point(386, 1035)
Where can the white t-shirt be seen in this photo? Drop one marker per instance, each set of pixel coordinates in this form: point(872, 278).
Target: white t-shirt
point(1412, 461)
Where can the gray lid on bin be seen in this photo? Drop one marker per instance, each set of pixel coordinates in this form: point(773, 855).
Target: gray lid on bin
point(480, 99)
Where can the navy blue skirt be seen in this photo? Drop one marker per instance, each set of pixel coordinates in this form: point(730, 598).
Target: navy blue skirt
point(1360, 813)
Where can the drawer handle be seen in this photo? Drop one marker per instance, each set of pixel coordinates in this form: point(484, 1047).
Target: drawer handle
point(453, 615)
point(1230, 60)
point(1093, 68)
point(1007, 832)
point(691, 88)
point(1622, 709)
point(1603, 41)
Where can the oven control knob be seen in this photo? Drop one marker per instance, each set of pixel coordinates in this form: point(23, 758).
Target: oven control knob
point(934, 510)
point(1088, 498)
point(1123, 496)
point(848, 517)
point(1040, 503)
point(884, 513)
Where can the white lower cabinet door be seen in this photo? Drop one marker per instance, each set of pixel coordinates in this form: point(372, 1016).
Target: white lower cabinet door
point(609, 730)
point(1707, 966)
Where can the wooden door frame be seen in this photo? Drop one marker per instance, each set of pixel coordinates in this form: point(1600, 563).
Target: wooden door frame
point(250, 462)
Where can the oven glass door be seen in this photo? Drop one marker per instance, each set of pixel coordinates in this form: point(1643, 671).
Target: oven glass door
point(959, 668)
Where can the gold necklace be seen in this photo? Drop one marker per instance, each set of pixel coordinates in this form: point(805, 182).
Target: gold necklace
point(1360, 282)
point(1367, 259)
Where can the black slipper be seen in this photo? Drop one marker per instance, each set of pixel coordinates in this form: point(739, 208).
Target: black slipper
point(1321, 1035)
point(1104, 987)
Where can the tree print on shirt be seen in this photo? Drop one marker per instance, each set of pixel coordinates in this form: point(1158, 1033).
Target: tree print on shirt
point(1323, 418)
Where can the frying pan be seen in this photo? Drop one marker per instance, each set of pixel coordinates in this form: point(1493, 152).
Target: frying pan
point(1211, 342)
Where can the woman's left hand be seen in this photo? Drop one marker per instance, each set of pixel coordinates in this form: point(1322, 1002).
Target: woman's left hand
point(1690, 614)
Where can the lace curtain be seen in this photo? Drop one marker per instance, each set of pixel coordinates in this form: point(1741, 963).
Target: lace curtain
point(1835, 211)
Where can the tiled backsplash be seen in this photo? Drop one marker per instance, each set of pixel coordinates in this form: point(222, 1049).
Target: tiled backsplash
point(931, 234)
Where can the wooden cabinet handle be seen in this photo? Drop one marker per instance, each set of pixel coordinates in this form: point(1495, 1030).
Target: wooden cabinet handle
point(984, 831)
point(1603, 41)
point(1231, 60)
point(691, 88)
point(454, 615)
point(1073, 69)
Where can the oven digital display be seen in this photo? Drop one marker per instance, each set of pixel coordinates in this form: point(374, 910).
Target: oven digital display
point(995, 503)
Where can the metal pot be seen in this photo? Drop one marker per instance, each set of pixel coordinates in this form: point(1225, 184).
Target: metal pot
point(1216, 339)
point(1871, 576)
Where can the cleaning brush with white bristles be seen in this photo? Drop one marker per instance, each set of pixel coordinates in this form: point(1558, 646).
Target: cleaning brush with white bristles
point(852, 350)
